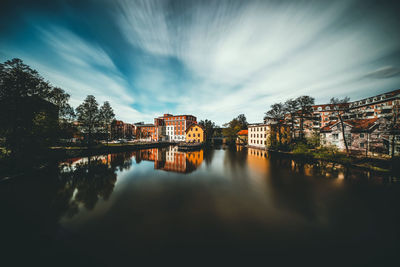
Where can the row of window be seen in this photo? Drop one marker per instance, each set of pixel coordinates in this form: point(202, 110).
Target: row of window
point(194, 135)
point(258, 142)
point(257, 129)
point(258, 135)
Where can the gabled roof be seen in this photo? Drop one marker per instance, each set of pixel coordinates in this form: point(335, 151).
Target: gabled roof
point(328, 127)
point(362, 124)
point(192, 125)
point(243, 132)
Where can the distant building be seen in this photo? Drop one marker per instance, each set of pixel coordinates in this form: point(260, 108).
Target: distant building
point(173, 127)
point(120, 129)
point(258, 134)
point(195, 134)
point(146, 132)
point(242, 137)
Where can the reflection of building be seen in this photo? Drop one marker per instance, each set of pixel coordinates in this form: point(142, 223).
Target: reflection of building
point(195, 134)
point(256, 160)
point(170, 159)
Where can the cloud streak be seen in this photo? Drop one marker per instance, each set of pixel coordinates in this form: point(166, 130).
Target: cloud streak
point(216, 59)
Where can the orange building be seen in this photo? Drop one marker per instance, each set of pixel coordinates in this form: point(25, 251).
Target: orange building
point(173, 127)
point(146, 132)
point(195, 134)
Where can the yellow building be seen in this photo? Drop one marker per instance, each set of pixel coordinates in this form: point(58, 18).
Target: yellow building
point(195, 134)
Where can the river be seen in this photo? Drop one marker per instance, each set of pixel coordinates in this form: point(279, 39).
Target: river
point(213, 206)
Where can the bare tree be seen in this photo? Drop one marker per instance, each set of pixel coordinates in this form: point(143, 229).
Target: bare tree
point(340, 106)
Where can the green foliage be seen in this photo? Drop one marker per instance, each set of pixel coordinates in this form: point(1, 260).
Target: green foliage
point(107, 115)
point(233, 127)
point(314, 141)
point(209, 128)
point(301, 149)
point(89, 117)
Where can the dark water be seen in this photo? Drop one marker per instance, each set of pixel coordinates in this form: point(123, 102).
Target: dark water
point(214, 206)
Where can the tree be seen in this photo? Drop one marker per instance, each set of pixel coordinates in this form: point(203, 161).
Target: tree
point(305, 111)
point(30, 122)
point(107, 115)
point(209, 128)
point(88, 117)
point(291, 106)
point(340, 106)
point(277, 114)
point(243, 121)
point(233, 127)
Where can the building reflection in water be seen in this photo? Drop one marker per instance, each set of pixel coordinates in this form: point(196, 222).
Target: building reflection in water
point(172, 160)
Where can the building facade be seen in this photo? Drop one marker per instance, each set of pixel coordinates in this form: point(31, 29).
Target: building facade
point(195, 134)
point(258, 135)
point(173, 127)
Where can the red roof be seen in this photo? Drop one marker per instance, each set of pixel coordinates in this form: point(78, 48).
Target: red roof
point(363, 124)
point(243, 132)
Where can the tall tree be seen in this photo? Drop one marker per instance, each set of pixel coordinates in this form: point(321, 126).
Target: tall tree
point(209, 128)
point(277, 113)
point(243, 121)
point(305, 111)
point(88, 117)
point(24, 107)
point(106, 117)
point(291, 106)
point(340, 106)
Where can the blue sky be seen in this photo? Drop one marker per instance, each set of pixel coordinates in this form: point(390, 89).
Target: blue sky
point(212, 59)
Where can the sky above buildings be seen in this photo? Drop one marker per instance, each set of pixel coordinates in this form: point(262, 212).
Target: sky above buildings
point(212, 59)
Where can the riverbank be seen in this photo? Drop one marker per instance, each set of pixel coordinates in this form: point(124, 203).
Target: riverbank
point(375, 164)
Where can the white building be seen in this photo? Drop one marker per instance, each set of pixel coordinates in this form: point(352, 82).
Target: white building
point(257, 135)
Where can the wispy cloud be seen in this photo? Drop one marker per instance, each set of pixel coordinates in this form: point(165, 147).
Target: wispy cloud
point(217, 59)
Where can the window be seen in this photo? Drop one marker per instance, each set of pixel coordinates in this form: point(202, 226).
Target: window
point(198, 135)
point(335, 136)
point(362, 145)
point(189, 135)
point(319, 108)
point(195, 129)
point(361, 135)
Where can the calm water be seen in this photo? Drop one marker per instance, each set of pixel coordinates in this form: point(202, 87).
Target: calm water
point(206, 207)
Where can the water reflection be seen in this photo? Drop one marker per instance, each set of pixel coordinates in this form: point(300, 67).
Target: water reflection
point(107, 208)
point(172, 160)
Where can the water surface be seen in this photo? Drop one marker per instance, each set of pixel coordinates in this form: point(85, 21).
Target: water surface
point(209, 206)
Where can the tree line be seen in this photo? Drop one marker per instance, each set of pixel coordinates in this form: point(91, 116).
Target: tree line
point(36, 115)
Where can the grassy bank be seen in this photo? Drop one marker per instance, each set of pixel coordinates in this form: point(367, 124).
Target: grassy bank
point(327, 154)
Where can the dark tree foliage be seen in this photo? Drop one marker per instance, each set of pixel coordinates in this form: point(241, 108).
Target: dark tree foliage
point(29, 109)
point(277, 113)
point(107, 116)
point(340, 106)
point(209, 128)
point(89, 118)
point(305, 111)
point(233, 127)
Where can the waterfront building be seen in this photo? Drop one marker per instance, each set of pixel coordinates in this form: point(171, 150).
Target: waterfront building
point(363, 136)
point(258, 134)
point(120, 129)
point(242, 137)
point(195, 134)
point(146, 132)
point(173, 127)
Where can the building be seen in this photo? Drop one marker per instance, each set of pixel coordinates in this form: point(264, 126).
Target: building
point(383, 105)
point(242, 137)
point(173, 127)
point(195, 134)
point(258, 134)
point(372, 135)
point(120, 129)
point(146, 132)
